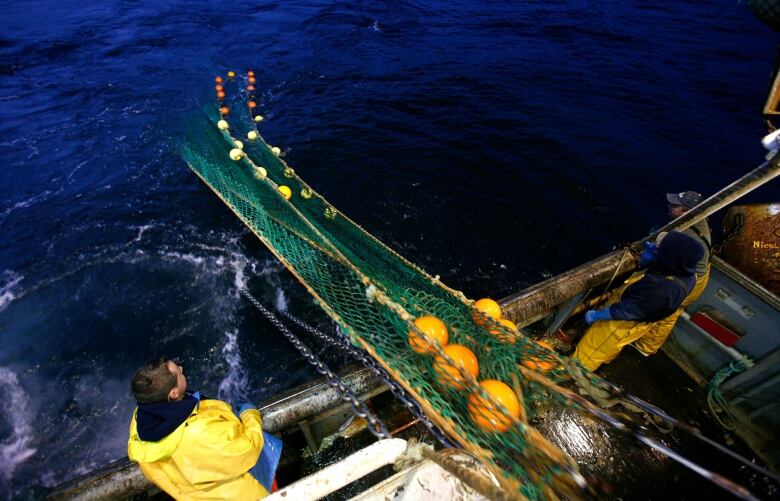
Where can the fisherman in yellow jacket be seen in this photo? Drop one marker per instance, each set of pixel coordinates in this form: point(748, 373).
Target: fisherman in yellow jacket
point(641, 302)
point(679, 204)
point(192, 448)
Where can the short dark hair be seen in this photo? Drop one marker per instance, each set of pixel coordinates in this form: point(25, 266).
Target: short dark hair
point(152, 382)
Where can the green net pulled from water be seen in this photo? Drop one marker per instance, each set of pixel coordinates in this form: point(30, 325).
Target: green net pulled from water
point(374, 295)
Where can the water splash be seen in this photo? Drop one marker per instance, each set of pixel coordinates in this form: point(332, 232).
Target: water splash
point(15, 449)
point(6, 293)
point(234, 386)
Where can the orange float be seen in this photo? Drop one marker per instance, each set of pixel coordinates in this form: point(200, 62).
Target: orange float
point(224, 110)
point(250, 88)
point(540, 364)
point(251, 104)
point(220, 95)
point(218, 79)
point(431, 327)
point(252, 80)
point(250, 73)
point(448, 373)
point(218, 87)
point(488, 308)
point(486, 415)
point(510, 326)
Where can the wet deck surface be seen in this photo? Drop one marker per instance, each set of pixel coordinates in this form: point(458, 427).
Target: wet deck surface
point(635, 471)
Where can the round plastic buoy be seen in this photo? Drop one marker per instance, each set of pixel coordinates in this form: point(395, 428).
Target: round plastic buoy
point(224, 110)
point(231, 74)
point(431, 327)
point(276, 151)
point(222, 125)
point(220, 95)
point(488, 308)
point(239, 144)
point(250, 88)
point(251, 135)
point(218, 79)
point(236, 154)
point(258, 118)
point(250, 73)
point(260, 172)
point(252, 80)
point(539, 362)
point(251, 104)
point(503, 336)
point(447, 373)
point(285, 191)
point(487, 415)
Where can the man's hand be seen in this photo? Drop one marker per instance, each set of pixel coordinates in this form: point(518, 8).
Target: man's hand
point(649, 254)
point(245, 407)
point(595, 315)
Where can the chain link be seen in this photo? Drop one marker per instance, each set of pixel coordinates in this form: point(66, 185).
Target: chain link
point(343, 343)
point(376, 427)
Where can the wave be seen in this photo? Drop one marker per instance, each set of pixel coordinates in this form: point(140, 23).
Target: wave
point(6, 293)
point(16, 448)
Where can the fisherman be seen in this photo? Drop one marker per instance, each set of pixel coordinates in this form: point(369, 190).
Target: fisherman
point(635, 307)
point(679, 204)
point(193, 447)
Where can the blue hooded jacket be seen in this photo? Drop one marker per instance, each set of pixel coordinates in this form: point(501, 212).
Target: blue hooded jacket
point(666, 283)
point(157, 421)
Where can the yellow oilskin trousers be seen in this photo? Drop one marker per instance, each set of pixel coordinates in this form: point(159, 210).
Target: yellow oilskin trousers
point(605, 339)
point(656, 337)
point(206, 457)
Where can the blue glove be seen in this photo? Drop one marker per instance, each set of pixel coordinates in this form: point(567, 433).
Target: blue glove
point(245, 407)
point(595, 315)
point(649, 254)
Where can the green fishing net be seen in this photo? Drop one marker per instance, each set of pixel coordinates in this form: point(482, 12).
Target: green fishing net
point(374, 294)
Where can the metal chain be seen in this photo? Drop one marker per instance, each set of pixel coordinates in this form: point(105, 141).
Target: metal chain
point(344, 344)
point(376, 427)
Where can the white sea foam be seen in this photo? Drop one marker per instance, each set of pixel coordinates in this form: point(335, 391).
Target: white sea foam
point(234, 386)
point(141, 231)
point(281, 299)
point(16, 448)
point(26, 203)
point(7, 294)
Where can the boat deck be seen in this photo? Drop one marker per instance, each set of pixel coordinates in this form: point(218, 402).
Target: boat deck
point(627, 469)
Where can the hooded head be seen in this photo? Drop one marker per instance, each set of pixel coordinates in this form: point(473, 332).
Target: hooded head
point(678, 254)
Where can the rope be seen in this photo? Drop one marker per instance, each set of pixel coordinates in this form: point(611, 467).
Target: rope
point(717, 403)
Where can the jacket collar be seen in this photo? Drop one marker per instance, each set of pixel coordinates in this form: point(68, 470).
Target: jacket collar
point(157, 421)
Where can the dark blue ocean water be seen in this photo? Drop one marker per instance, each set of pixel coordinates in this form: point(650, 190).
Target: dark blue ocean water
point(494, 143)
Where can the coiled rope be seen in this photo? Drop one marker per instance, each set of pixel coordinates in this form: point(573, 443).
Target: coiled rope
point(718, 405)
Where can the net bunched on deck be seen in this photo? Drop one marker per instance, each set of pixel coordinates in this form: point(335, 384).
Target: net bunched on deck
point(374, 295)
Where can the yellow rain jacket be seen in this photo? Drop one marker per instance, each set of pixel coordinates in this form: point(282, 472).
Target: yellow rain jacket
point(603, 341)
point(651, 342)
point(656, 337)
point(207, 457)
point(643, 300)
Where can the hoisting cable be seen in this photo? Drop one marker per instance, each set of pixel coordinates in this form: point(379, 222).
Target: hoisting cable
point(375, 426)
point(592, 409)
point(617, 392)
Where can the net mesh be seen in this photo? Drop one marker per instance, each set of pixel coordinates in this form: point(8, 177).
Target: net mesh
point(374, 294)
